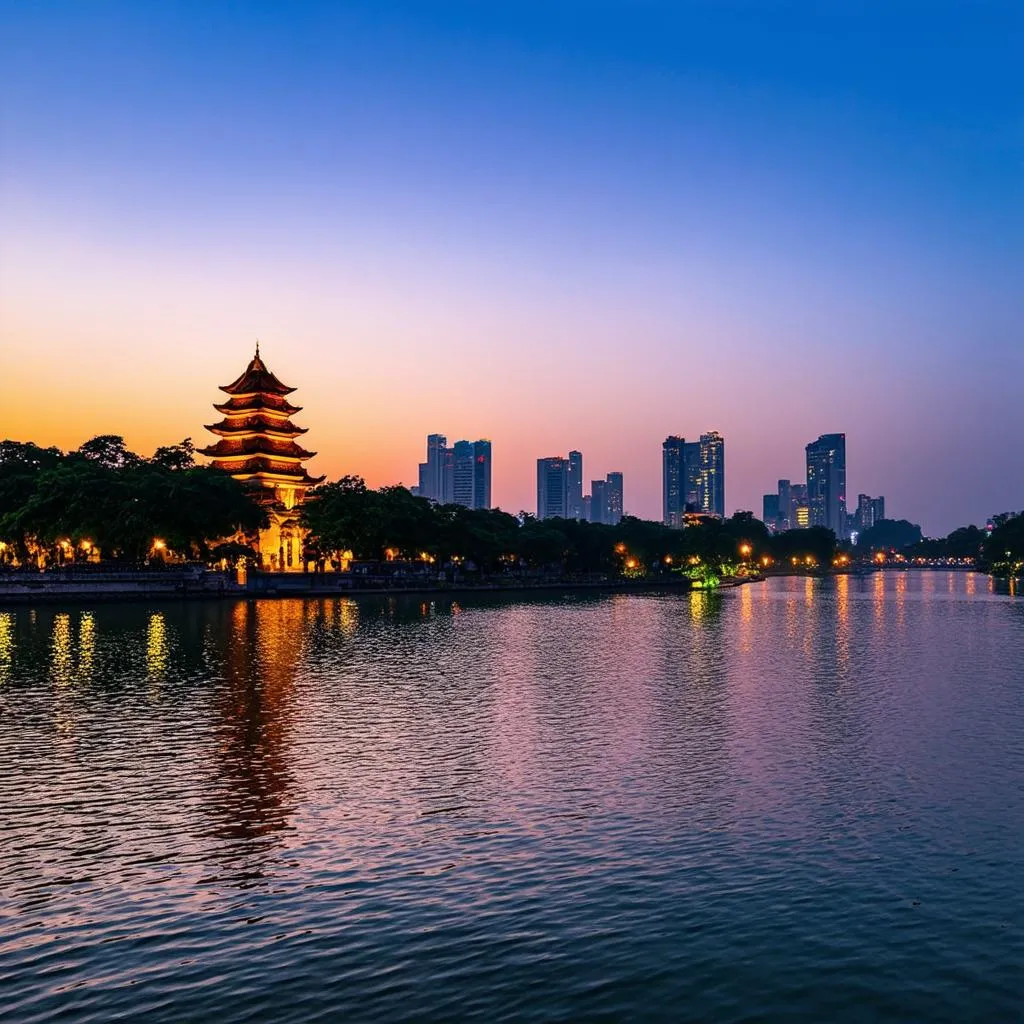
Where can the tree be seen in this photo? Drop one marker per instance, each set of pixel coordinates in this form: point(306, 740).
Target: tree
point(890, 534)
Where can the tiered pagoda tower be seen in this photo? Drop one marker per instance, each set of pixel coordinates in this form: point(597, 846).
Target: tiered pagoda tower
point(257, 446)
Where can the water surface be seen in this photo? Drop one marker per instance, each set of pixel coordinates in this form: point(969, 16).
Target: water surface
point(800, 800)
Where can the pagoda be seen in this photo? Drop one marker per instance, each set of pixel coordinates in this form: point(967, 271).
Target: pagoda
point(257, 445)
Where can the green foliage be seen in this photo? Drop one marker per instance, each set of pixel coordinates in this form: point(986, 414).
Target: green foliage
point(1003, 551)
point(116, 500)
point(890, 534)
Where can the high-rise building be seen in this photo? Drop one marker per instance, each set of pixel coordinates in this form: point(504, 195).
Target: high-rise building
point(826, 482)
point(460, 474)
point(575, 485)
point(462, 484)
point(598, 501)
point(605, 500)
point(869, 511)
point(691, 476)
point(673, 480)
point(553, 488)
point(433, 472)
point(770, 512)
point(712, 474)
point(482, 474)
point(613, 498)
point(785, 506)
point(798, 500)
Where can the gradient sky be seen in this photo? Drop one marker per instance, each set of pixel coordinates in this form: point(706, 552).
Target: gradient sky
point(552, 224)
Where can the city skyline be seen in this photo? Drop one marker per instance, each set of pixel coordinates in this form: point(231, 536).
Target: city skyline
point(589, 232)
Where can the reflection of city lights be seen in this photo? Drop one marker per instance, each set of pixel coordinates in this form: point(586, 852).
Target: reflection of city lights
point(6, 645)
point(61, 665)
point(156, 645)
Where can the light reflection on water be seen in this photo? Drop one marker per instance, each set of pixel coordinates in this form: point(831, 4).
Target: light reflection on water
point(794, 800)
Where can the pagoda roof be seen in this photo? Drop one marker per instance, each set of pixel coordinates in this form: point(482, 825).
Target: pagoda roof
point(256, 379)
point(257, 403)
point(270, 474)
point(256, 425)
point(257, 444)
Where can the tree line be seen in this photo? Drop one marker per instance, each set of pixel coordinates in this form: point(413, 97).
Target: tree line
point(102, 500)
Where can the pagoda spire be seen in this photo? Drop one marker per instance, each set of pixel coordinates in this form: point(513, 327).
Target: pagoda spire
point(257, 438)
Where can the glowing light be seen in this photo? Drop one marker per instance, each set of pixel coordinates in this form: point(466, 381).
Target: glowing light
point(631, 563)
point(158, 545)
point(668, 559)
point(745, 549)
point(620, 548)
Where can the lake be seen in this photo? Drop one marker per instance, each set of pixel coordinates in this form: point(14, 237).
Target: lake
point(796, 800)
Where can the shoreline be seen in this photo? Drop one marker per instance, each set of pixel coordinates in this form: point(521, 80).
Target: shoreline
point(79, 592)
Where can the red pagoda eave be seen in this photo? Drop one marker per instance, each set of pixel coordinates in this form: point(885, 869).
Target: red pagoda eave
point(284, 478)
point(242, 433)
point(232, 457)
point(251, 409)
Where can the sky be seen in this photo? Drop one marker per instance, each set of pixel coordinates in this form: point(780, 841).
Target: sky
point(555, 225)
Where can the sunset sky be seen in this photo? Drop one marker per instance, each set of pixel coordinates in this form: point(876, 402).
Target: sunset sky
point(557, 225)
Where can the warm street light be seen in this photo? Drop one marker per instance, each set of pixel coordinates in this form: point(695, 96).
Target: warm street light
point(745, 549)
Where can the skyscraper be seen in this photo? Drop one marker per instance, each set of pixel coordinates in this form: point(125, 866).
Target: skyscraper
point(482, 474)
point(673, 480)
point(598, 501)
point(691, 476)
point(552, 488)
point(826, 482)
point(462, 490)
point(575, 485)
point(432, 476)
point(460, 474)
point(869, 511)
point(613, 498)
point(770, 512)
point(712, 474)
point(786, 517)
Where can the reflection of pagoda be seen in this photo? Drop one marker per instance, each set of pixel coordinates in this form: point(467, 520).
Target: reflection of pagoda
point(257, 446)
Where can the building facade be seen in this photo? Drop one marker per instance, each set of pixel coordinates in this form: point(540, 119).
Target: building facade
point(673, 480)
point(826, 482)
point(869, 511)
point(575, 485)
point(712, 474)
point(553, 488)
point(459, 475)
point(257, 445)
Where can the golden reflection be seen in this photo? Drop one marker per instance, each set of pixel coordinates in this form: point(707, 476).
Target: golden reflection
point(6, 645)
point(62, 666)
point(348, 615)
point(971, 583)
point(808, 592)
point(698, 608)
point(263, 643)
point(746, 603)
point(86, 645)
point(156, 646)
point(901, 598)
point(843, 625)
point(879, 595)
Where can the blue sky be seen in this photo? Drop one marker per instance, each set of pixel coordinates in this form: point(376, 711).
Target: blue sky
point(557, 225)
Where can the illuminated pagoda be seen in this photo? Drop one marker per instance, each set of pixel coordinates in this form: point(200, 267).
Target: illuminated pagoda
point(257, 445)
